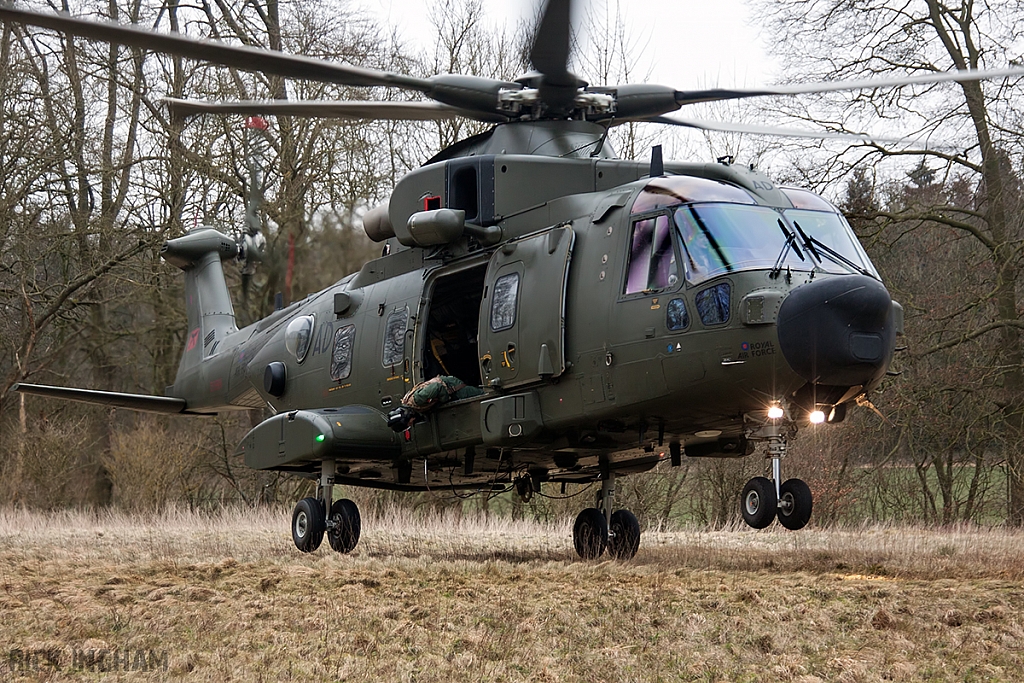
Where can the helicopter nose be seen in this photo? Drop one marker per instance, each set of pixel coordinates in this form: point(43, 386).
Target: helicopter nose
point(838, 331)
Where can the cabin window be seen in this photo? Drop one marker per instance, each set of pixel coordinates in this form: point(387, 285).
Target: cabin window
point(676, 316)
point(298, 335)
point(713, 304)
point(652, 260)
point(341, 354)
point(394, 337)
point(503, 302)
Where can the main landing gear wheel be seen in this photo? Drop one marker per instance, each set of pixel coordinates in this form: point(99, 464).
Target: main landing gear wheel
point(308, 524)
point(795, 503)
point(759, 502)
point(624, 539)
point(344, 526)
point(590, 533)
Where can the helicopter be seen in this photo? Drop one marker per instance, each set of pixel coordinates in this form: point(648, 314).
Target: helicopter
point(608, 315)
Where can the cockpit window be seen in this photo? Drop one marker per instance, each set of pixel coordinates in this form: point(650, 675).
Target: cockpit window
point(724, 238)
point(676, 316)
point(652, 260)
point(802, 199)
point(680, 189)
point(832, 230)
point(713, 304)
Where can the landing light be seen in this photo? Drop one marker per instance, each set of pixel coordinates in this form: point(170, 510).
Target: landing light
point(817, 417)
point(775, 412)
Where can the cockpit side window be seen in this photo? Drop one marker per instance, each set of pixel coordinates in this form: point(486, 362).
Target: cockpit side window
point(652, 259)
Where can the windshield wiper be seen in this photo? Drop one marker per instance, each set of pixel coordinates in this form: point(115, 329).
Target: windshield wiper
point(790, 244)
point(808, 244)
point(813, 245)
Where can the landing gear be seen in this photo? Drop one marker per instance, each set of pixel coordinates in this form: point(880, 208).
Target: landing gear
point(590, 533)
point(310, 523)
point(763, 499)
point(759, 502)
point(598, 528)
point(343, 526)
point(624, 535)
point(795, 503)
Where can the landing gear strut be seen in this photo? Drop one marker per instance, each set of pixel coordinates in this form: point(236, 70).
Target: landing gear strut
point(310, 520)
point(763, 499)
point(598, 528)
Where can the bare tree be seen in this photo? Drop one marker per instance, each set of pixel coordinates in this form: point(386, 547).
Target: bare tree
point(828, 39)
point(95, 173)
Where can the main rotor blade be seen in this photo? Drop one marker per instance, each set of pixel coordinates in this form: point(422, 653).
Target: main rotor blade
point(684, 97)
point(755, 129)
point(143, 402)
point(550, 56)
point(240, 57)
point(373, 110)
point(550, 51)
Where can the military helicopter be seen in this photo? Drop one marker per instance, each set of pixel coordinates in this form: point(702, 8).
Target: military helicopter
point(611, 314)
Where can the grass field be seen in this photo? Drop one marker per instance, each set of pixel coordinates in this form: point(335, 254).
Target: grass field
point(227, 597)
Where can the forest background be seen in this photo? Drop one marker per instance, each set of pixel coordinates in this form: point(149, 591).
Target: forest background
point(95, 175)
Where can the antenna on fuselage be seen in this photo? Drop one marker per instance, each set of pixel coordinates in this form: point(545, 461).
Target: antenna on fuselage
point(657, 163)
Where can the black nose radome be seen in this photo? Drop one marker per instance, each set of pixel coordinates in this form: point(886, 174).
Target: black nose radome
point(838, 331)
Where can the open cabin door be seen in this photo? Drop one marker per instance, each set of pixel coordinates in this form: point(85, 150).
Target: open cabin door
point(522, 313)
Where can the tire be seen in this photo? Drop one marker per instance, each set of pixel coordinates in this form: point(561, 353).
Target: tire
point(590, 534)
point(308, 524)
point(624, 539)
point(795, 503)
point(759, 503)
point(344, 536)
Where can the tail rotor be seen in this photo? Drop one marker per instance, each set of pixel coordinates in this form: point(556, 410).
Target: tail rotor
point(250, 240)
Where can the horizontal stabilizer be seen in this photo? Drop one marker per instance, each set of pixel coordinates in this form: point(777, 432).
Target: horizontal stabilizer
point(149, 404)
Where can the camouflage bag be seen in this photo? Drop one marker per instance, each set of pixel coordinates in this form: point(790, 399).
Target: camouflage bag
point(432, 393)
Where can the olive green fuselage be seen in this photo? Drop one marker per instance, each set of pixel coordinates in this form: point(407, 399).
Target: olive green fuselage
point(584, 371)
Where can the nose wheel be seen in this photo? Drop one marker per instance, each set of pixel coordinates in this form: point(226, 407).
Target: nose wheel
point(759, 502)
point(598, 528)
point(795, 503)
point(764, 499)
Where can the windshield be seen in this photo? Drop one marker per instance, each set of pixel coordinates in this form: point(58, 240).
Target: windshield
point(724, 238)
point(832, 230)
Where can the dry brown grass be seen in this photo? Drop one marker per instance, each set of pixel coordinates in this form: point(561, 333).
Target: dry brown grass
point(229, 598)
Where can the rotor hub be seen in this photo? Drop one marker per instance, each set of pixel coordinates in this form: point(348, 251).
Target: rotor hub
point(528, 103)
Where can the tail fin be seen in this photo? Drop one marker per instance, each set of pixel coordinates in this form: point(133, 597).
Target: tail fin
point(208, 303)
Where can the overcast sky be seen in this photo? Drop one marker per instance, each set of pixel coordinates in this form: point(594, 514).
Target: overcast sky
point(689, 43)
point(686, 44)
